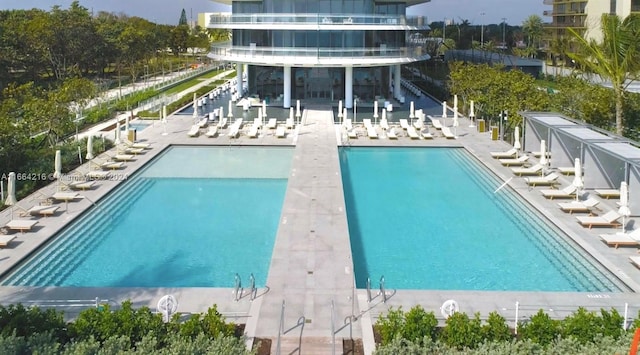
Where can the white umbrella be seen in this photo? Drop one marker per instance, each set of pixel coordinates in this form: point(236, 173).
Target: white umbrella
point(291, 113)
point(444, 109)
point(57, 173)
point(455, 103)
point(264, 109)
point(11, 190)
point(354, 110)
point(543, 154)
point(624, 210)
point(230, 114)
point(221, 113)
point(577, 180)
point(344, 114)
point(516, 139)
point(472, 114)
point(340, 110)
point(117, 138)
point(126, 124)
point(375, 109)
point(89, 147)
point(164, 113)
point(412, 112)
point(455, 123)
point(298, 110)
point(384, 113)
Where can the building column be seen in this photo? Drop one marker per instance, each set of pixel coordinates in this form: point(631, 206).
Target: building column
point(239, 79)
point(287, 86)
point(396, 82)
point(348, 87)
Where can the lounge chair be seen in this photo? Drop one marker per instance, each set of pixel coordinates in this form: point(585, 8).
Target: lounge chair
point(203, 122)
point(65, 196)
point(129, 150)
point(97, 174)
point(622, 239)
point(371, 132)
point(222, 123)
point(384, 124)
point(257, 122)
point(80, 185)
point(111, 165)
point(635, 260)
point(435, 122)
point(607, 193)
point(281, 131)
point(426, 134)
point(367, 122)
point(404, 123)
point(586, 206)
point(272, 123)
point(42, 210)
point(567, 192)
point(194, 131)
point(511, 153)
point(446, 131)
point(352, 133)
point(136, 144)
point(412, 133)
point(567, 170)
point(123, 157)
point(5, 240)
point(212, 131)
point(234, 130)
point(253, 131)
point(515, 161)
point(391, 134)
point(347, 124)
point(22, 225)
point(532, 170)
point(609, 219)
point(290, 123)
point(418, 124)
point(547, 180)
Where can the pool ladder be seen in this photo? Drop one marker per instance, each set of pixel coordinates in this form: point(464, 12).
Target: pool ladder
point(381, 292)
point(238, 290)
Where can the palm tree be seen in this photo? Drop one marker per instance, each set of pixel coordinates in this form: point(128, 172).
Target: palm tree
point(534, 29)
point(616, 58)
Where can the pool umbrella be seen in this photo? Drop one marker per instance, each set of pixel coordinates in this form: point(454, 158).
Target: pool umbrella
point(57, 173)
point(164, 113)
point(472, 114)
point(384, 113)
point(624, 210)
point(117, 138)
point(543, 154)
point(126, 124)
point(11, 190)
point(298, 110)
point(195, 105)
point(344, 114)
point(89, 147)
point(455, 103)
point(412, 112)
point(291, 113)
point(577, 180)
point(444, 109)
point(516, 139)
point(455, 123)
point(230, 114)
point(340, 110)
point(355, 106)
point(375, 111)
point(264, 108)
point(221, 113)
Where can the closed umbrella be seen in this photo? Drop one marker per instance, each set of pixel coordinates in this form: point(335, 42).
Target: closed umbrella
point(455, 123)
point(11, 190)
point(624, 210)
point(375, 110)
point(344, 114)
point(340, 110)
point(291, 113)
point(384, 114)
point(221, 113)
point(543, 154)
point(577, 180)
point(117, 137)
point(195, 105)
point(89, 147)
point(126, 125)
point(354, 110)
point(298, 110)
point(444, 109)
point(230, 113)
point(57, 173)
point(472, 114)
point(264, 109)
point(516, 139)
point(412, 112)
point(455, 103)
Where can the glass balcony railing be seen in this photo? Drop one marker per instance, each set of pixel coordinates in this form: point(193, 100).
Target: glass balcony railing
point(317, 19)
point(222, 50)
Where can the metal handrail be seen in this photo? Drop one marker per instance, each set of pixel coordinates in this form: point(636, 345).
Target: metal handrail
point(237, 288)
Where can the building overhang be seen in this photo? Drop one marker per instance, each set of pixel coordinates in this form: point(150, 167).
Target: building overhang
point(408, 2)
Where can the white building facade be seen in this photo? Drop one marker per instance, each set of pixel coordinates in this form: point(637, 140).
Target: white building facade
point(320, 50)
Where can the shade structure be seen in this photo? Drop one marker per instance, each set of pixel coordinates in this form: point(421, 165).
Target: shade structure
point(516, 138)
point(117, 136)
point(544, 161)
point(375, 109)
point(11, 190)
point(412, 112)
point(57, 172)
point(624, 210)
point(577, 179)
point(89, 147)
point(444, 109)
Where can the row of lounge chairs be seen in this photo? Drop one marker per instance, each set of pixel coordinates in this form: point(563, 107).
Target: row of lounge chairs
point(236, 127)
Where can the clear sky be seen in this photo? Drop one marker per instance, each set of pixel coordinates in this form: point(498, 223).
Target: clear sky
point(168, 11)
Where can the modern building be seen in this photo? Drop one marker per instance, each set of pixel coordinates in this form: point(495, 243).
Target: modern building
point(320, 50)
point(584, 15)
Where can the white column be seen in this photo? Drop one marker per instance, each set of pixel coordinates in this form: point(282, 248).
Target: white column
point(287, 86)
point(348, 87)
point(239, 79)
point(396, 83)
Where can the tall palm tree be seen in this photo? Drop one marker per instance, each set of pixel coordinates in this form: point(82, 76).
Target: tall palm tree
point(616, 58)
point(533, 28)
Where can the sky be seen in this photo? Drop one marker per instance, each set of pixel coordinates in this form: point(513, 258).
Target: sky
point(168, 11)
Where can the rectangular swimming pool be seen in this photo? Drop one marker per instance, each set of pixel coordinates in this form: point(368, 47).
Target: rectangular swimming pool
point(428, 219)
point(194, 217)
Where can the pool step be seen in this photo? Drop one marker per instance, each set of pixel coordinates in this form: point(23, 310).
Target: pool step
point(80, 235)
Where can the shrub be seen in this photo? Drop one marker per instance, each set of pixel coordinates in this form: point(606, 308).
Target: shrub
point(17, 320)
point(461, 331)
point(496, 329)
point(540, 329)
point(211, 324)
point(586, 326)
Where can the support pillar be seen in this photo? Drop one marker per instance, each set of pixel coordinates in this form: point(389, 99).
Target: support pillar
point(287, 86)
point(396, 82)
point(239, 68)
point(348, 87)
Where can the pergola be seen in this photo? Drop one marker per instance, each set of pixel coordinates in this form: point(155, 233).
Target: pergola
point(607, 159)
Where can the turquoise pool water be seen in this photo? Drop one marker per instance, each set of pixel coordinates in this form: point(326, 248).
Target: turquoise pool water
point(194, 218)
point(429, 219)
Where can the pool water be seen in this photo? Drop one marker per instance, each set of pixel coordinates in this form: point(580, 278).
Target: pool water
point(195, 225)
point(429, 219)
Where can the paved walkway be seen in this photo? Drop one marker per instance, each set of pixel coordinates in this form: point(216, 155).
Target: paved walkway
point(311, 264)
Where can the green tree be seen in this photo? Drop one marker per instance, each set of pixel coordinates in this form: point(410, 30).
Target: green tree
point(183, 19)
point(615, 59)
point(533, 28)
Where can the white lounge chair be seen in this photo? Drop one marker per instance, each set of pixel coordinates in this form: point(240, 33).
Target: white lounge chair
point(281, 131)
point(367, 122)
point(234, 130)
point(212, 131)
point(253, 131)
point(609, 219)
point(384, 124)
point(80, 185)
point(391, 134)
point(515, 161)
point(272, 123)
point(635, 260)
point(547, 180)
point(446, 131)
point(42, 210)
point(194, 131)
point(123, 157)
point(412, 133)
point(418, 124)
point(607, 193)
point(22, 225)
point(129, 150)
point(426, 134)
point(404, 123)
point(511, 153)
point(567, 170)
point(203, 122)
point(622, 239)
point(5, 240)
point(371, 132)
point(290, 123)
point(65, 196)
point(97, 174)
point(257, 122)
point(136, 144)
point(586, 206)
point(352, 133)
point(222, 123)
point(347, 124)
point(112, 165)
point(532, 170)
point(435, 122)
point(567, 192)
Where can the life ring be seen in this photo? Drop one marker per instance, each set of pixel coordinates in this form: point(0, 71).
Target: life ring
point(448, 308)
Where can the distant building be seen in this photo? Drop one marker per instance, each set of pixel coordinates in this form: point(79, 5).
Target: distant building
point(321, 50)
point(533, 67)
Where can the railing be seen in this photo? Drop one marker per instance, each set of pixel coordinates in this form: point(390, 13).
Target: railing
point(323, 19)
point(238, 290)
point(282, 331)
point(348, 322)
point(229, 50)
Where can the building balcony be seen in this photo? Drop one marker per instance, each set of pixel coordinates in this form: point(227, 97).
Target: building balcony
point(548, 2)
point(317, 21)
point(312, 57)
point(547, 13)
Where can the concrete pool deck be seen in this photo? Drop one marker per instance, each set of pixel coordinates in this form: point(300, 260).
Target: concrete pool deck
point(311, 265)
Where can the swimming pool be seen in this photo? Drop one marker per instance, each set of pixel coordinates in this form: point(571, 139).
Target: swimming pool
point(138, 126)
point(194, 217)
point(428, 218)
